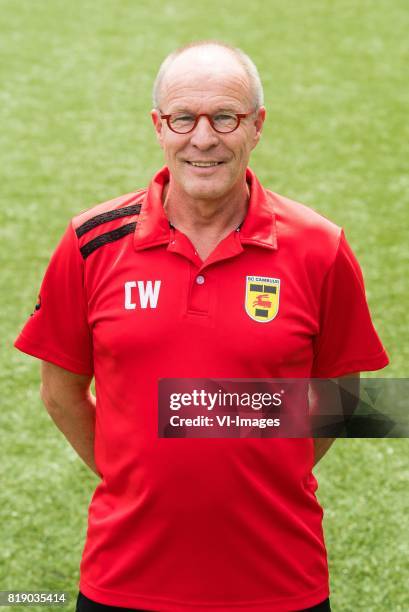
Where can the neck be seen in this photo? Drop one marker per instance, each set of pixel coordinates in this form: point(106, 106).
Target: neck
point(205, 216)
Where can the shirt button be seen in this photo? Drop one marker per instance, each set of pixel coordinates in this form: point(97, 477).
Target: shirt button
point(200, 279)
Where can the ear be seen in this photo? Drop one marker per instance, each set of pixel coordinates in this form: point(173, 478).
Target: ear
point(158, 125)
point(258, 125)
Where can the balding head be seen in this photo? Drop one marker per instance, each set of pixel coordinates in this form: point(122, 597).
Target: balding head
point(209, 58)
point(210, 79)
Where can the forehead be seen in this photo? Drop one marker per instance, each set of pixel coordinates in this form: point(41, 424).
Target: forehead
point(208, 80)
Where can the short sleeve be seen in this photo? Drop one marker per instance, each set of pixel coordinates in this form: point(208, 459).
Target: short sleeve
point(347, 340)
point(58, 329)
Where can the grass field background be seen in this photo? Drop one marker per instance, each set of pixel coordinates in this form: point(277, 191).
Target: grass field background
point(76, 80)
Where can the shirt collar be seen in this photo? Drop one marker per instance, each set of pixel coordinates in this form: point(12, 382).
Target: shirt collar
point(153, 228)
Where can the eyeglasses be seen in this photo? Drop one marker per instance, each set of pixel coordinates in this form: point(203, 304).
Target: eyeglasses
point(224, 123)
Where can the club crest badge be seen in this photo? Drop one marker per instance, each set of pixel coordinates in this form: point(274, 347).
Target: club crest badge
point(262, 298)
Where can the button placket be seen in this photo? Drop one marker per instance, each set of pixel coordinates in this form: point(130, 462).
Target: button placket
point(198, 301)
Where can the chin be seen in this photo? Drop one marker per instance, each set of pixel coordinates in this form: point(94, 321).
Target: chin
point(205, 194)
point(206, 190)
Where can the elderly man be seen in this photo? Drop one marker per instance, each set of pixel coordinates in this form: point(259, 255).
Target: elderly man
point(155, 284)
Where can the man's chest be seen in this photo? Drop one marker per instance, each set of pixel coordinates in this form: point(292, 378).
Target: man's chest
point(249, 309)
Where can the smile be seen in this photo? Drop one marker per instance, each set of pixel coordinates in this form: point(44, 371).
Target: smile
point(204, 164)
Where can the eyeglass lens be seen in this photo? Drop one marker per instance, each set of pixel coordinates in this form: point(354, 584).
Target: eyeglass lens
point(221, 122)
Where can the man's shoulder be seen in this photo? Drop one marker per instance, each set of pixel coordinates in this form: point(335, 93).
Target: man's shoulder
point(302, 223)
point(99, 214)
point(300, 216)
point(107, 222)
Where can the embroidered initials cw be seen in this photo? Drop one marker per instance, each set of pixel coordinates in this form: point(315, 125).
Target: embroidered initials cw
point(148, 294)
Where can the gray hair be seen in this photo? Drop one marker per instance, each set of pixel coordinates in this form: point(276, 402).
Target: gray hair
point(248, 65)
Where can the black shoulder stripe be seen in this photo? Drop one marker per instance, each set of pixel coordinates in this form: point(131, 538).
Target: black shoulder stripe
point(106, 238)
point(110, 215)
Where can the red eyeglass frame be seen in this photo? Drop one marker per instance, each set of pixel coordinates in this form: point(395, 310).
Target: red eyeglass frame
point(239, 116)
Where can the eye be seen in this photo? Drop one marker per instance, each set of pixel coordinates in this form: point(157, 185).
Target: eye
point(224, 117)
point(181, 118)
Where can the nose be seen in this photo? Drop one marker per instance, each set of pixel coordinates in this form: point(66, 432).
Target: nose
point(204, 136)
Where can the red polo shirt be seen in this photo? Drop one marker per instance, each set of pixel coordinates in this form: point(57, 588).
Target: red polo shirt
point(200, 524)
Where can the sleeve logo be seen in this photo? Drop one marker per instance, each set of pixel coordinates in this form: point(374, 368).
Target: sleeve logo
point(37, 306)
point(262, 298)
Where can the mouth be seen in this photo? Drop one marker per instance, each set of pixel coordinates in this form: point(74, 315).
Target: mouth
point(207, 164)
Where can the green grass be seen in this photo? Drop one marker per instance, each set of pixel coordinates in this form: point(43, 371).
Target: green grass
point(74, 108)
